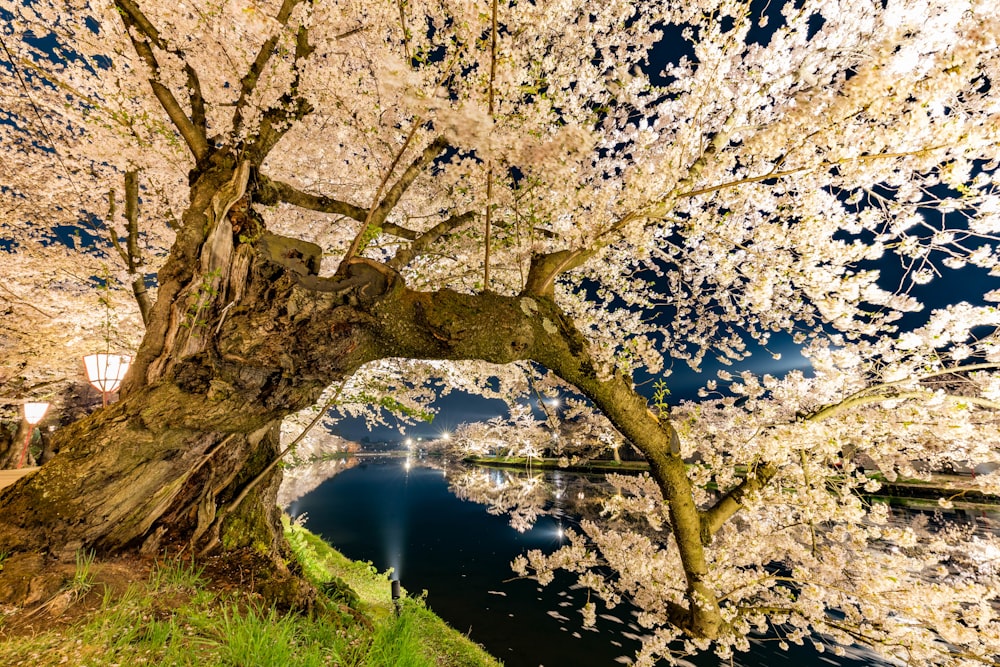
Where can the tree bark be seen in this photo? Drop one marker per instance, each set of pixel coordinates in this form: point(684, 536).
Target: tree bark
point(244, 333)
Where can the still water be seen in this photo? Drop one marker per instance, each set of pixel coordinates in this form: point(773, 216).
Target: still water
point(405, 517)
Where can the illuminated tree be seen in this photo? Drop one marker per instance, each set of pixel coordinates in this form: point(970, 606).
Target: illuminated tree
point(504, 183)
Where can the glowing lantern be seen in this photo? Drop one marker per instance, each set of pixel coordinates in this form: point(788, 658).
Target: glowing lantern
point(106, 371)
point(33, 413)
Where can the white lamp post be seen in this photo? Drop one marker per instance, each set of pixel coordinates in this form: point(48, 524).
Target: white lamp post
point(105, 372)
point(33, 413)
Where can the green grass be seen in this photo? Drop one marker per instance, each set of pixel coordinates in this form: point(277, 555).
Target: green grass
point(173, 619)
point(415, 638)
point(83, 577)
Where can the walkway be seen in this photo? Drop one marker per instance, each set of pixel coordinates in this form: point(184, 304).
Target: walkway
point(8, 477)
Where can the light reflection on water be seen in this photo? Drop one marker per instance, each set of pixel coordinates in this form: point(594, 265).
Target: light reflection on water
point(406, 518)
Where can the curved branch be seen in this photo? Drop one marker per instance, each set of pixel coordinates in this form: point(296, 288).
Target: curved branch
point(858, 401)
point(546, 268)
point(835, 408)
point(714, 518)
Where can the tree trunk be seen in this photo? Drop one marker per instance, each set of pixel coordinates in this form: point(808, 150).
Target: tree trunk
point(245, 333)
point(8, 447)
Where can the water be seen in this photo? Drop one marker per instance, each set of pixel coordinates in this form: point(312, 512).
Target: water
point(406, 518)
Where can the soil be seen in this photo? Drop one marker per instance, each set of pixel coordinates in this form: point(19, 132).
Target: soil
point(52, 602)
point(38, 595)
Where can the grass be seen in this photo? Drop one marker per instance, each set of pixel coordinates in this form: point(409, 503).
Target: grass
point(416, 637)
point(174, 616)
point(83, 577)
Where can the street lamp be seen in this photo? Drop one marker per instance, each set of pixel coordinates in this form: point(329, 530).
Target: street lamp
point(33, 413)
point(105, 372)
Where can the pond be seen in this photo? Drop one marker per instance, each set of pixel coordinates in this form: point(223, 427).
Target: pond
point(401, 514)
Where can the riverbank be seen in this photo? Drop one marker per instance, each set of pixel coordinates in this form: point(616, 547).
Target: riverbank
point(173, 612)
point(957, 490)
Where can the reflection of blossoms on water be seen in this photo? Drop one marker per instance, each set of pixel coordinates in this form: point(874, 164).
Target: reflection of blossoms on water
point(878, 572)
point(526, 495)
point(315, 456)
point(299, 480)
point(524, 498)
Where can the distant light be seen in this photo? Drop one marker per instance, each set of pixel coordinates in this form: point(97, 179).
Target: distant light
point(409, 442)
point(33, 412)
point(446, 436)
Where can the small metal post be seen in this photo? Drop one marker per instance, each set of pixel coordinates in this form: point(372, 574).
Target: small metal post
point(396, 594)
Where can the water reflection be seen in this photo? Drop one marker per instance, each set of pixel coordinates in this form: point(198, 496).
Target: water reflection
point(524, 496)
point(298, 480)
point(461, 555)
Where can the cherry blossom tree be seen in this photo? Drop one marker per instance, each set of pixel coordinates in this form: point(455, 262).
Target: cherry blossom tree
point(600, 189)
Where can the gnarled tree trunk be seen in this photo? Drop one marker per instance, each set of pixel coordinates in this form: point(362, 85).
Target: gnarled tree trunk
point(245, 333)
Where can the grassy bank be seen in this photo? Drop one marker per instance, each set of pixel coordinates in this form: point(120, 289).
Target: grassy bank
point(171, 613)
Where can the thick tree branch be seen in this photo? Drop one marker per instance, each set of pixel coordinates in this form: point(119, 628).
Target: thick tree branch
point(732, 502)
point(490, 327)
point(378, 214)
point(130, 254)
point(136, 23)
point(270, 192)
point(249, 81)
point(546, 268)
point(402, 232)
point(420, 243)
